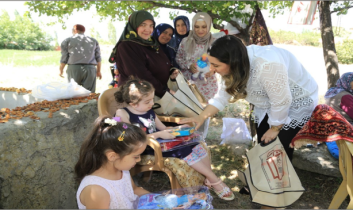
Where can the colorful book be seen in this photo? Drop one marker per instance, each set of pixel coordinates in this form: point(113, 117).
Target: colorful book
point(183, 131)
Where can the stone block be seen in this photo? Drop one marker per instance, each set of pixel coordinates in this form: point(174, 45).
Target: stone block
point(317, 159)
point(37, 158)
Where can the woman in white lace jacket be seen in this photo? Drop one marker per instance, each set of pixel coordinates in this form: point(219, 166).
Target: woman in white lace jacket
point(283, 92)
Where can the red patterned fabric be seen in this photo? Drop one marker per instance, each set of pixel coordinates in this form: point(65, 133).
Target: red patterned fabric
point(325, 125)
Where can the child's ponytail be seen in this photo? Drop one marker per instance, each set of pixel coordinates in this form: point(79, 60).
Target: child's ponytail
point(120, 137)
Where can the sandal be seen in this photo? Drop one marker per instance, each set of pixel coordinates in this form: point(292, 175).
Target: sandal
point(221, 193)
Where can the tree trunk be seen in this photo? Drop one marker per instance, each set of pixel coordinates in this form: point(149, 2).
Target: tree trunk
point(245, 37)
point(328, 44)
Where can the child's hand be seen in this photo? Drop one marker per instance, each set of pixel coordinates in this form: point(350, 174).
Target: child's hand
point(166, 135)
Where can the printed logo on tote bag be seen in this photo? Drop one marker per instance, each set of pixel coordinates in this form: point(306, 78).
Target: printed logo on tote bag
point(274, 166)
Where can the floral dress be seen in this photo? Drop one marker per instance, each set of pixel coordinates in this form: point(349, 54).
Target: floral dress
point(209, 87)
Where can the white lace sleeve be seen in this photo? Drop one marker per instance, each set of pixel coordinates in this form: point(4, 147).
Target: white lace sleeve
point(220, 100)
point(274, 79)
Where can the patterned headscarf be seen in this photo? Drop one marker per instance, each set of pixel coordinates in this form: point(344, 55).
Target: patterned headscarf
point(157, 32)
point(179, 37)
point(343, 83)
point(130, 30)
point(193, 39)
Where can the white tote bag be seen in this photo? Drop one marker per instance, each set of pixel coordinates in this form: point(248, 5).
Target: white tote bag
point(271, 178)
point(234, 131)
point(183, 103)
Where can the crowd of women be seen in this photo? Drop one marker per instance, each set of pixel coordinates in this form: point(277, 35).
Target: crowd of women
point(151, 57)
point(282, 91)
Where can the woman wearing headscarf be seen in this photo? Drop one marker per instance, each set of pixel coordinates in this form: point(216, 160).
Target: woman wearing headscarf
point(193, 47)
point(139, 54)
point(182, 28)
point(163, 33)
point(340, 97)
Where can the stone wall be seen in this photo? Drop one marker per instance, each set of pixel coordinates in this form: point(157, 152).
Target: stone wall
point(37, 158)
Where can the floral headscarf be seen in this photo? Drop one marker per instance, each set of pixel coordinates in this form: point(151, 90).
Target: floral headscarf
point(177, 36)
point(343, 83)
point(130, 30)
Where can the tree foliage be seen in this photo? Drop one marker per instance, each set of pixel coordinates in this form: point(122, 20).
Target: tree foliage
point(22, 33)
point(219, 11)
point(120, 10)
point(111, 33)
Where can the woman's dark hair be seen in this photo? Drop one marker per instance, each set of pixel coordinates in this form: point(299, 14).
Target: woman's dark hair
point(133, 91)
point(231, 50)
point(103, 137)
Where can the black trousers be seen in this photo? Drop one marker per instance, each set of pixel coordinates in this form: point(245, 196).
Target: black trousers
point(285, 136)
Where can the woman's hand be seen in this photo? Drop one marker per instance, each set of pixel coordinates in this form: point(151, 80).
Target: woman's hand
point(197, 120)
point(174, 74)
point(171, 92)
point(193, 68)
point(270, 135)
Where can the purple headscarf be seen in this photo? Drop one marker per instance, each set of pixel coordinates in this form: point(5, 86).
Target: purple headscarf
point(342, 84)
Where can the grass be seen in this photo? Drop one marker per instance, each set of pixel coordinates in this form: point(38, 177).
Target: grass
point(24, 58)
point(27, 69)
point(309, 38)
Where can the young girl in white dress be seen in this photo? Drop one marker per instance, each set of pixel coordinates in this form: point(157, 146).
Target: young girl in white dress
point(106, 157)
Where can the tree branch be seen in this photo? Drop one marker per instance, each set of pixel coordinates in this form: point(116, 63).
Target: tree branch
point(131, 8)
point(341, 9)
point(166, 6)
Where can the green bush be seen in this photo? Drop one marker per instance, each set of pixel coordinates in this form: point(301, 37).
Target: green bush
point(22, 34)
point(310, 38)
point(344, 52)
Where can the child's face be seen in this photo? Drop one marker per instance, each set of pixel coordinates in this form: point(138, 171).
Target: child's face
point(145, 104)
point(130, 160)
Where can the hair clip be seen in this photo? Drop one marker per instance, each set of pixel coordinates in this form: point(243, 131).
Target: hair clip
point(111, 122)
point(118, 119)
point(124, 126)
point(121, 137)
point(133, 89)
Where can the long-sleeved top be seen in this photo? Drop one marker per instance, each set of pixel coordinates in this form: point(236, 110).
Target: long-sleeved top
point(80, 49)
point(207, 88)
point(144, 63)
point(278, 86)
